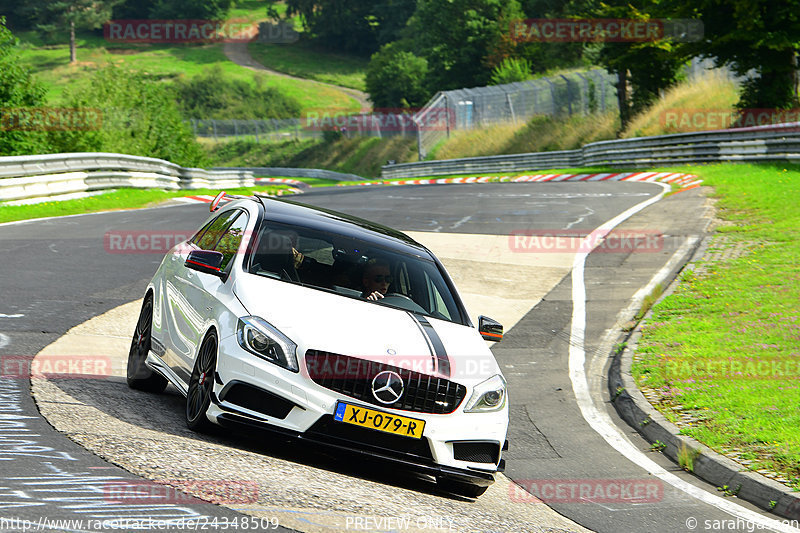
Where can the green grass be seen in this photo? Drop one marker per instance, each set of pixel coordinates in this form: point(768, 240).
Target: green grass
point(112, 200)
point(362, 156)
point(49, 60)
point(305, 60)
point(162, 61)
point(703, 343)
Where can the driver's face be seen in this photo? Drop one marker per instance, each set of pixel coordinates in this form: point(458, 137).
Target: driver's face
point(377, 279)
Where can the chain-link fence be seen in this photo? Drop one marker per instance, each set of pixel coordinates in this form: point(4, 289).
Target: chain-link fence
point(378, 124)
point(567, 94)
point(270, 130)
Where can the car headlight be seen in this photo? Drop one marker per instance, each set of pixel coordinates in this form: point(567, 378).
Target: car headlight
point(487, 396)
point(261, 338)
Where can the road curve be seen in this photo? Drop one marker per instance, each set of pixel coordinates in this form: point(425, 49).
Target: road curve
point(550, 439)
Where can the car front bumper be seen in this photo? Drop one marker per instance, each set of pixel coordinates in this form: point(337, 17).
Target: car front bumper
point(273, 398)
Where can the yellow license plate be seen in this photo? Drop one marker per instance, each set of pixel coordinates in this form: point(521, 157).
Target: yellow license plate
point(370, 418)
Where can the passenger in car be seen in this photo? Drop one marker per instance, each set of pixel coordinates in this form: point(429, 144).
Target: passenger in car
point(375, 279)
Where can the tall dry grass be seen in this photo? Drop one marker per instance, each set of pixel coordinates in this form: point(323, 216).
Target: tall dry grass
point(700, 104)
point(539, 134)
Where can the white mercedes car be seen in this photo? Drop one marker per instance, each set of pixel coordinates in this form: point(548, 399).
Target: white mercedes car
point(328, 328)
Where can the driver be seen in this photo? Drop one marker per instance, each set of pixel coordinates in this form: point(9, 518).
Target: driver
point(376, 279)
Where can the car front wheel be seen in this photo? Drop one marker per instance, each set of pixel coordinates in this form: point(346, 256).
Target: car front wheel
point(201, 385)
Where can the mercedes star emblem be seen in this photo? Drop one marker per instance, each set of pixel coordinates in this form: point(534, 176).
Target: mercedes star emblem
point(387, 387)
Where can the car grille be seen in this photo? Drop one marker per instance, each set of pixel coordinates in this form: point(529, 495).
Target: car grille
point(421, 393)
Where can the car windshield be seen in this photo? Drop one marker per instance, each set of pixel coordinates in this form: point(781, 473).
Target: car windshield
point(354, 268)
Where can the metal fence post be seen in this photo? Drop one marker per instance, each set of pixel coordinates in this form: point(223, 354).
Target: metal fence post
point(447, 114)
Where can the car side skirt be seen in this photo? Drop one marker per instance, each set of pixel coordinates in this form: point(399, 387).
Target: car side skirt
point(157, 364)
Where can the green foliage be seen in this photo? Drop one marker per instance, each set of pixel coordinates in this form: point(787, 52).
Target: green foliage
point(512, 69)
point(462, 40)
point(133, 9)
point(751, 34)
point(139, 117)
point(54, 17)
point(649, 66)
point(352, 26)
point(396, 78)
point(190, 9)
point(213, 95)
point(17, 89)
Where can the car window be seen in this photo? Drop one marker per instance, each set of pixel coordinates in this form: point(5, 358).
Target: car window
point(196, 239)
point(230, 241)
point(436, 301)
point(215, 230)
point(337, 263)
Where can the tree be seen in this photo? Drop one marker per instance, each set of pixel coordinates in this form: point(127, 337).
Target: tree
point(761, 36)
point(396, 78)
point(647, 66)
point(353, 26)
point(552, 55)
point(17, 90)
point(190, 9)
point(462, 40)
point(70, 15)
point(139, 117)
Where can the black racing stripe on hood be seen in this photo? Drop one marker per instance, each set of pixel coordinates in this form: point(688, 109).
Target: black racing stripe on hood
point(434, 342)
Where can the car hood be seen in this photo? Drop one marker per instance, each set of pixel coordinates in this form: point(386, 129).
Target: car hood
point(318, 320)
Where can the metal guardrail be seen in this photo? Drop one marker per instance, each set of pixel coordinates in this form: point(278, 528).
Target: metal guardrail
point(296, 173)
point(34, 176)
point(779, 143)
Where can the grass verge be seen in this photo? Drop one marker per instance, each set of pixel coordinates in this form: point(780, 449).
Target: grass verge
point(723, 350)
point(50, 65)
point(110, 201)
point(304, 60)
point(362, 156)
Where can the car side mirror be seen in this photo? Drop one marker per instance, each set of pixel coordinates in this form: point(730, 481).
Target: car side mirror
point(490, 330)
point(206, 261)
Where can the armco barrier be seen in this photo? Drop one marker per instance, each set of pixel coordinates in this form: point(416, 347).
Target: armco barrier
point(296, 173)
point(35, 176)
point(779, 143)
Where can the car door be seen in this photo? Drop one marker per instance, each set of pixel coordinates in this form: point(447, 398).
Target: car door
point(211, 295)
point(185, 310)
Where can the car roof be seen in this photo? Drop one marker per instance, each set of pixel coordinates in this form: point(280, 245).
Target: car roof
point(322, 219)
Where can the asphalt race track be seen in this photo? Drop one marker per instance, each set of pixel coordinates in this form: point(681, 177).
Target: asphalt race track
point(60, 273)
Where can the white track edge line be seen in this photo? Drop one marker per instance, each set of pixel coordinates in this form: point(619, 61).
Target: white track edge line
point(610, 433)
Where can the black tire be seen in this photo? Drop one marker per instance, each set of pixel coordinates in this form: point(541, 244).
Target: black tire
point(201, 385)
point(139, 375)
point(460, 488)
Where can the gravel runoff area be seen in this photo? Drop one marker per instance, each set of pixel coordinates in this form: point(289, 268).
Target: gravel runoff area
point(304, 487)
